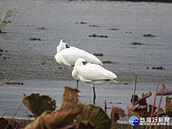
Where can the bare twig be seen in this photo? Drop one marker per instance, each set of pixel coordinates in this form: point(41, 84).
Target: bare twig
point(112, 119)
point(153, 105)
point(17, 111)
point(134, 92)
point(146, 127)
point(161, 96)
point(18, 123)
point(160, 104)
point(128, 127)
point(13, 116)
point(3, 115)
point(105, 106)
point(6, 81)
point(28, 115)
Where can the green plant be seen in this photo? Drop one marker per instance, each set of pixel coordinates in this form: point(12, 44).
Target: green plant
point(9, 17)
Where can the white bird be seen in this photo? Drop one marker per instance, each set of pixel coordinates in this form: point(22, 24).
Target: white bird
point(92, 74)
point(68, 55)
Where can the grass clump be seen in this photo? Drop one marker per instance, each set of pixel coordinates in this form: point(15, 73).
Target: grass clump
point(9, 17)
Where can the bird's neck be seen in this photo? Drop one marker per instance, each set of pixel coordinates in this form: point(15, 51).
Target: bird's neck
point(59, 49)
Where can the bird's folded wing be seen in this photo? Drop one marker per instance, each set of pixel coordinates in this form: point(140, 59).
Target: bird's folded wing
point(71, 57)
point(72, 54)
point(95, 72)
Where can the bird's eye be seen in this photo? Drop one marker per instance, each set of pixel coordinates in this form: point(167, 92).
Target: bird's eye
point(67, 46)
point(84, 62)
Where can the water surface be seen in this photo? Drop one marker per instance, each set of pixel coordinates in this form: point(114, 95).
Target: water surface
point(33, 63)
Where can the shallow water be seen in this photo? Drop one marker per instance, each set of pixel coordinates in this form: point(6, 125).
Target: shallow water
point(33, 63)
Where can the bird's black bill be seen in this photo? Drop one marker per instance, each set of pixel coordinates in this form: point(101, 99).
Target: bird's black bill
point(84, 62)
point(67, 46)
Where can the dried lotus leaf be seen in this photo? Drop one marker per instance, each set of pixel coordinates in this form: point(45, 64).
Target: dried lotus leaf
point(132, 113)
point(135, 97)
point(168, 107)
point(81, 125)
point(38, 104)
point(56, 120)
point(141, 101)
point(96, 116)
point(70, 96)
point(116, 111)
point(164, 92)
point(160, 112)
point(63, 117)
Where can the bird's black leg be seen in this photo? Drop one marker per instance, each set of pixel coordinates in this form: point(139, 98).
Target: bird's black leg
point(94, 95)
point(77, 82)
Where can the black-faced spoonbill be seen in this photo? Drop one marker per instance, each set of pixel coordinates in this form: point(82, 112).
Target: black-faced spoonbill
point(93, 74)
point(68, 56)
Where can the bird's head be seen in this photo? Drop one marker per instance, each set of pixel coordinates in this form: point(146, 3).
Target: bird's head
point(62, 45)
point(80, 62)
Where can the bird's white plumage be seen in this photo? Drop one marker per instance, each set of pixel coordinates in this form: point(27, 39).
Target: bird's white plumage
point(92, 73)
point(68, 56)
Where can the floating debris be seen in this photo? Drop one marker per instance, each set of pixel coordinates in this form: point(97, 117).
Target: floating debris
point(1, 50)
point(28, 25)
point(159, 68)
point(4, 58)
point(118, 103)
point(80, 23)
point(1, 32)
point(107, 62)
point(60, 68)
point(148, 35)
point(100, 36)
point(98, 54)
point(41, 28)
point(15, 83)
point(43, 63)
point(94, 26)
point(33, 39)
point(128, 32)
point(136, 43)
point(112, 29)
